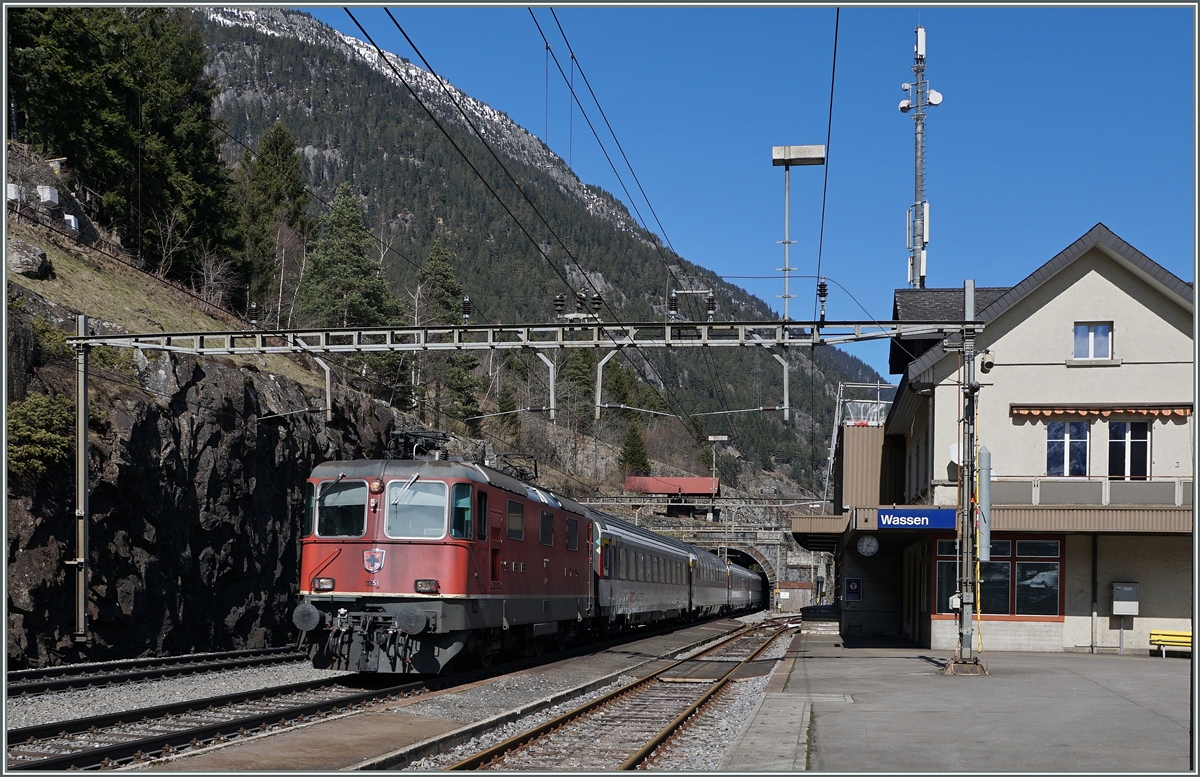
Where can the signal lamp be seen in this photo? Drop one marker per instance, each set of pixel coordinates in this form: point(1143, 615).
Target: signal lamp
point(376, 486)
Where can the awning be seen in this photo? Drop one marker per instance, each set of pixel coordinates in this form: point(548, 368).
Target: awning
point(1103, 410)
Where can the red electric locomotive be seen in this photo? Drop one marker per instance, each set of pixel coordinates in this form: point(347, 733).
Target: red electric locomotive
point(406, 564)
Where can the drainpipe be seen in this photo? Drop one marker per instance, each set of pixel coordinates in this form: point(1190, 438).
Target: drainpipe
point(1095, 605)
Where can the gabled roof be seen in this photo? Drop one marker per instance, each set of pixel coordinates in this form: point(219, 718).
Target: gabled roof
point(1100, 237)
point(940, 304)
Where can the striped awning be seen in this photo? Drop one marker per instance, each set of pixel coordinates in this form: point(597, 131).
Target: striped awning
point(1103, 410)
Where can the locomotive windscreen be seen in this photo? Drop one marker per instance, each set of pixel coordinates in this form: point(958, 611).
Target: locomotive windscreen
point(342, 510)
point(416, 510)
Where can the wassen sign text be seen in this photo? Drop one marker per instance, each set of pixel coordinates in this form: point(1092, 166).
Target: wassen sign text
point(917, 519)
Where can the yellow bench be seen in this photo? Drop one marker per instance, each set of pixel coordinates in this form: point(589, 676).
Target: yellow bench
point(1172, 639)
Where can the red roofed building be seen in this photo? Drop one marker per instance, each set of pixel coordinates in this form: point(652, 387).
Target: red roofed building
point(658, 486)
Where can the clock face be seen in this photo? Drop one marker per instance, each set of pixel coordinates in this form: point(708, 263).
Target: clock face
point(867, 545)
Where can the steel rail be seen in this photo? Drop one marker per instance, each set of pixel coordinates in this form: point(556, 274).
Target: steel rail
point(497, 751)
point(65, 669)
point(115, 753)
point(672, 727)
point(173, 670)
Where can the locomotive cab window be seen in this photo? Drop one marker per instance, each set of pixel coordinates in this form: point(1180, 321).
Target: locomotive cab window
point(460, 512)
point(416, 510)
point(310, 498)
point(547, 532)
point(515, 520)
point(342, 509)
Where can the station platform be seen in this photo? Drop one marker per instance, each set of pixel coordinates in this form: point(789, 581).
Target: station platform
point(870, 707)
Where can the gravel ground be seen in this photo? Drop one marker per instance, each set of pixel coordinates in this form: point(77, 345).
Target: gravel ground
point(508, 730)
point(702, 745)
point(21, 711)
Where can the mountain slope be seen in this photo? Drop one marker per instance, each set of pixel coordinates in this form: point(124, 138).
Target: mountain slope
point(355, 121)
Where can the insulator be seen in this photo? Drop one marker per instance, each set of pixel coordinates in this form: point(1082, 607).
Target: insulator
point(673, 303)
point(710, 303)
point(580, 300)
point(466, 308)
point(254, 315)
point(823, 290)
point(560, 304)
point(597, 303)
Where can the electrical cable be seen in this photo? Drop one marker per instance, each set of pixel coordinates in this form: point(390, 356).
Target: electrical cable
point(523, 194)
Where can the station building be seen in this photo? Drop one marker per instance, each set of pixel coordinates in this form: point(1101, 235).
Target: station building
point(1087, 410)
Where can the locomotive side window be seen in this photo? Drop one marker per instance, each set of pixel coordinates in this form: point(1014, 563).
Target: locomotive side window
point(416, 510)
point(572, 534)
point(516, 520)
point(460, 512)
point(342, 509)
point(481, 515)
point(310, 497)
point(547, 533)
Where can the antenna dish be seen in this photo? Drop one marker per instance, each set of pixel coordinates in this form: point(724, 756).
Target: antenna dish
point(906, 86)
point(905, 106)
point(935, 97)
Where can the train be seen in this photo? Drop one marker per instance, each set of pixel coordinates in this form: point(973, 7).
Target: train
point(420, 566)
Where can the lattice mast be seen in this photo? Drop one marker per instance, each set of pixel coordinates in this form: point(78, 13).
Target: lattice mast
point(920, 96)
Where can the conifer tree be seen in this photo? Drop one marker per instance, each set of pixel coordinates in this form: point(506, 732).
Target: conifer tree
point(342, 287)
point(632, 458)
point(274, 224)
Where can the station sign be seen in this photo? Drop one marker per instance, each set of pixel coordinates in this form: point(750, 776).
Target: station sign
point(853, 589)
point(917, 518)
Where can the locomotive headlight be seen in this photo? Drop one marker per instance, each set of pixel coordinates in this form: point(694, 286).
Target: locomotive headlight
point(322, 584)
point(376, 486)
point(427, 586)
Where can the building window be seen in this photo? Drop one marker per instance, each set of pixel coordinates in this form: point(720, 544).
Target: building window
point(1128, 450)
point(1093, 341)
point(1067, 448)
point(1026, 585)
point(994, 587)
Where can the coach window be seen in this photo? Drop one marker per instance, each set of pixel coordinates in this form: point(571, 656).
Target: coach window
point(624, 563)
point(641, 567)
point(342, 509)
point(481, 515)
point(310, 497)
point(547, 533)
point(516, 520)
point(460, 512)
point(416, 509)
point(572, 534)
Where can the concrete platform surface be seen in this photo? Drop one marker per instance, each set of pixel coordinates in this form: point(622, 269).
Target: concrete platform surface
point(877, 709)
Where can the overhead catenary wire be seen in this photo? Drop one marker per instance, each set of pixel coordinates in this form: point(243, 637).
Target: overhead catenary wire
point(708, 357)
point(519, 189)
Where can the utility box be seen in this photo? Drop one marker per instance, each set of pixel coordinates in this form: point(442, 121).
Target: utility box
point(1124, 598)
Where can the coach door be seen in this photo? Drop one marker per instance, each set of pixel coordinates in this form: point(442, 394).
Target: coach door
point(495, 544)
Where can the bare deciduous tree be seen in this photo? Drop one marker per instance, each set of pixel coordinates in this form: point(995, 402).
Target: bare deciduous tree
point(171, 231)
point(214, 277)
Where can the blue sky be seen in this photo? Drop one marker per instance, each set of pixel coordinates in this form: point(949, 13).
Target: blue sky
point(1053, 119)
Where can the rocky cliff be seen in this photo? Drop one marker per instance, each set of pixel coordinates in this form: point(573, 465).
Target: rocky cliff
point(196, 497)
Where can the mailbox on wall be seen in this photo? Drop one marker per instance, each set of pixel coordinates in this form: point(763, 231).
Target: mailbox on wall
point(1124, 598)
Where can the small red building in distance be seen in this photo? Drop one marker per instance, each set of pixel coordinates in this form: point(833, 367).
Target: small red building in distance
point(659, 486)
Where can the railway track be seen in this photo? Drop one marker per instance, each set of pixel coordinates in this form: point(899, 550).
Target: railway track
point(112, 740)
point(74, 676)
point(107, 741)
point(622, 729)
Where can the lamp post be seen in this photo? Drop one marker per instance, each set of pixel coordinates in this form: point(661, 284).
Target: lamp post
point(788, 156)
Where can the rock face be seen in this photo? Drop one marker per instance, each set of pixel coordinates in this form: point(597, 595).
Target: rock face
point(26, 259)
point(196, 499)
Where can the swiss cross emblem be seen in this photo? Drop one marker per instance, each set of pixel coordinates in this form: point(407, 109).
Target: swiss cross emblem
point(373, 560)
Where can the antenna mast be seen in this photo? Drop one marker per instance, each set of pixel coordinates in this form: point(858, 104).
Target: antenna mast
point(919, 97)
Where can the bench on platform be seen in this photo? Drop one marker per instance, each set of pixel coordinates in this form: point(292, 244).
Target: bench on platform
point(1170, 639)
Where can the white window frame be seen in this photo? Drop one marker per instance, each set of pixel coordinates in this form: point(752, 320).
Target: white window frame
point(1127, 448)
point(1066, 441)
point(1091, 340)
